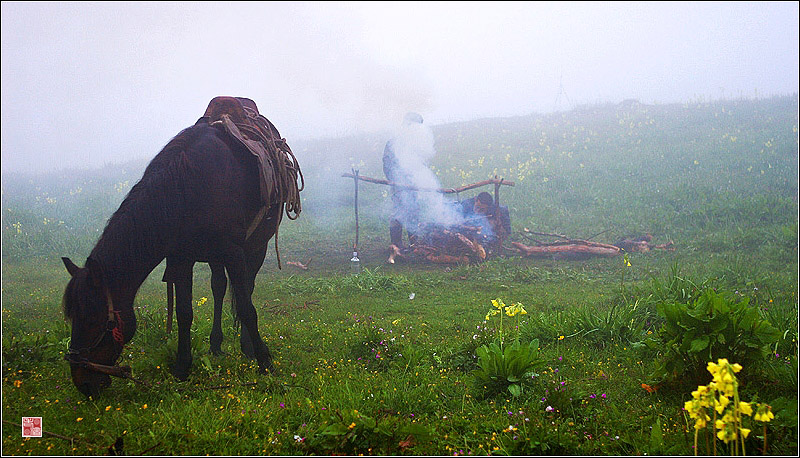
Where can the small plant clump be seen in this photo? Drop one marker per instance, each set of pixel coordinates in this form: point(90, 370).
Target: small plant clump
point(505, 366)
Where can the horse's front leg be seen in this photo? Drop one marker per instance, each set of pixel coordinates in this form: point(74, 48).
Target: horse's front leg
point(219, 283)
point(184, 315)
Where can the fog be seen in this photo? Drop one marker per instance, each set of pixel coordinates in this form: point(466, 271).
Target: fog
point(88, 84)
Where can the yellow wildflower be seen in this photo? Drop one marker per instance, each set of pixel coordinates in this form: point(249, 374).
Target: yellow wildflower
point(721, 403)
point(511, 310)
point(745, 408)
point(764, 413)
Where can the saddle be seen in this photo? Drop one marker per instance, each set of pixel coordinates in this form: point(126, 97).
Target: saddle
point(278, 168)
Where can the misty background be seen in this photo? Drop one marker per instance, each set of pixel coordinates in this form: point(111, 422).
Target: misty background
point(90, 84)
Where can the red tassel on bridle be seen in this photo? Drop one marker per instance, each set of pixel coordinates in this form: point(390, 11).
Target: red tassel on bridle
point(118, 332)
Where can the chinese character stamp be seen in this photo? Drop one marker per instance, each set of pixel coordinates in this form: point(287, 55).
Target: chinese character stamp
point(31, 426)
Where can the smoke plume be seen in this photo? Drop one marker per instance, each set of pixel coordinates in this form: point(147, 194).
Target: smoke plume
point(413, 146)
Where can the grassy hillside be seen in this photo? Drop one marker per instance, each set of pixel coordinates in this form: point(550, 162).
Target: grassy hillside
point(384, 362)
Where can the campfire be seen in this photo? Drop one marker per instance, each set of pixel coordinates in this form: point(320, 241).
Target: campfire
point(470, 241)
point(458, 244)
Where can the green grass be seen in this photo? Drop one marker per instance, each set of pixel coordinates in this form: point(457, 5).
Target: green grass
point(363, 368)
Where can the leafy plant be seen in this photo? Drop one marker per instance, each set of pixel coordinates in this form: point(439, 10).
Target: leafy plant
point(677, 287)
point(504, 367)
point(355, 433)
point(712, 326)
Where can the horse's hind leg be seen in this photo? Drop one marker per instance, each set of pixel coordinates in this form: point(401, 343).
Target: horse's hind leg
point(255, 253)
point(246, 343)
point(184, 314)
point(219, 283)
point(243, 282)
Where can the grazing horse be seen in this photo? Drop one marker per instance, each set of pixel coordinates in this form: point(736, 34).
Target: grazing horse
point(197, 201)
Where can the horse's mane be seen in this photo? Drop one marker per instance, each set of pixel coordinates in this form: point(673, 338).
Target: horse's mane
point(155, 200)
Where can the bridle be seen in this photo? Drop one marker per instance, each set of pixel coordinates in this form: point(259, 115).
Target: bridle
point(116, 327)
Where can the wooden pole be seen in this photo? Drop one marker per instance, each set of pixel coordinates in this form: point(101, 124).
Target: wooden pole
point(355, 201)
point(495, 181)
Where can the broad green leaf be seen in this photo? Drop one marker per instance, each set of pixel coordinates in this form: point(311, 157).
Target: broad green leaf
point(699, 344)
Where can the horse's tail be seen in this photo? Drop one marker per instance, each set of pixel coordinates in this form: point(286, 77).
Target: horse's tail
point(234, 308)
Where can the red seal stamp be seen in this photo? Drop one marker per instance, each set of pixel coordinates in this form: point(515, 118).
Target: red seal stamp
point(31, 426)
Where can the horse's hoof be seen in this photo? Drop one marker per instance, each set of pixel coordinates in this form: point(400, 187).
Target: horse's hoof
point(180, 373)
point(249, 353)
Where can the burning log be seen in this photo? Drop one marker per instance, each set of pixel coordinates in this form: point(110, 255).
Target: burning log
point(473, 245)
point(447, 259)
point(435, 243)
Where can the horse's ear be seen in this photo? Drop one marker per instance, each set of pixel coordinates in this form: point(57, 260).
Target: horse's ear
point(71, 267)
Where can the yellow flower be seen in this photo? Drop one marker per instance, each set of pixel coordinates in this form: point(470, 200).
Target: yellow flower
point(726, 435)
point(764, 413)
point(144, 406)
point(560, 337)
point(701, 390)
point(352, 425)
point(690, 406)
point(498, 303)
point(108, 408)
point(744, 431)
point(79, 419)
point(721, 403)
point(701, 423)
point(745, 408)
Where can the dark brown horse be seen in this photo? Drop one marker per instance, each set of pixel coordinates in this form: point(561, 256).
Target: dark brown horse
point(198, 201)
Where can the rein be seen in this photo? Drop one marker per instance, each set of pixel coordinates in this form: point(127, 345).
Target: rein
point(116, 327)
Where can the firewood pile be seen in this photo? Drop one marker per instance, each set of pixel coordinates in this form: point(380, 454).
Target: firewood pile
point(577, 249)
point(459, 244)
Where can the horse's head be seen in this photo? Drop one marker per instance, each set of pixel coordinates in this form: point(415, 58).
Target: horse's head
point(96, 328)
